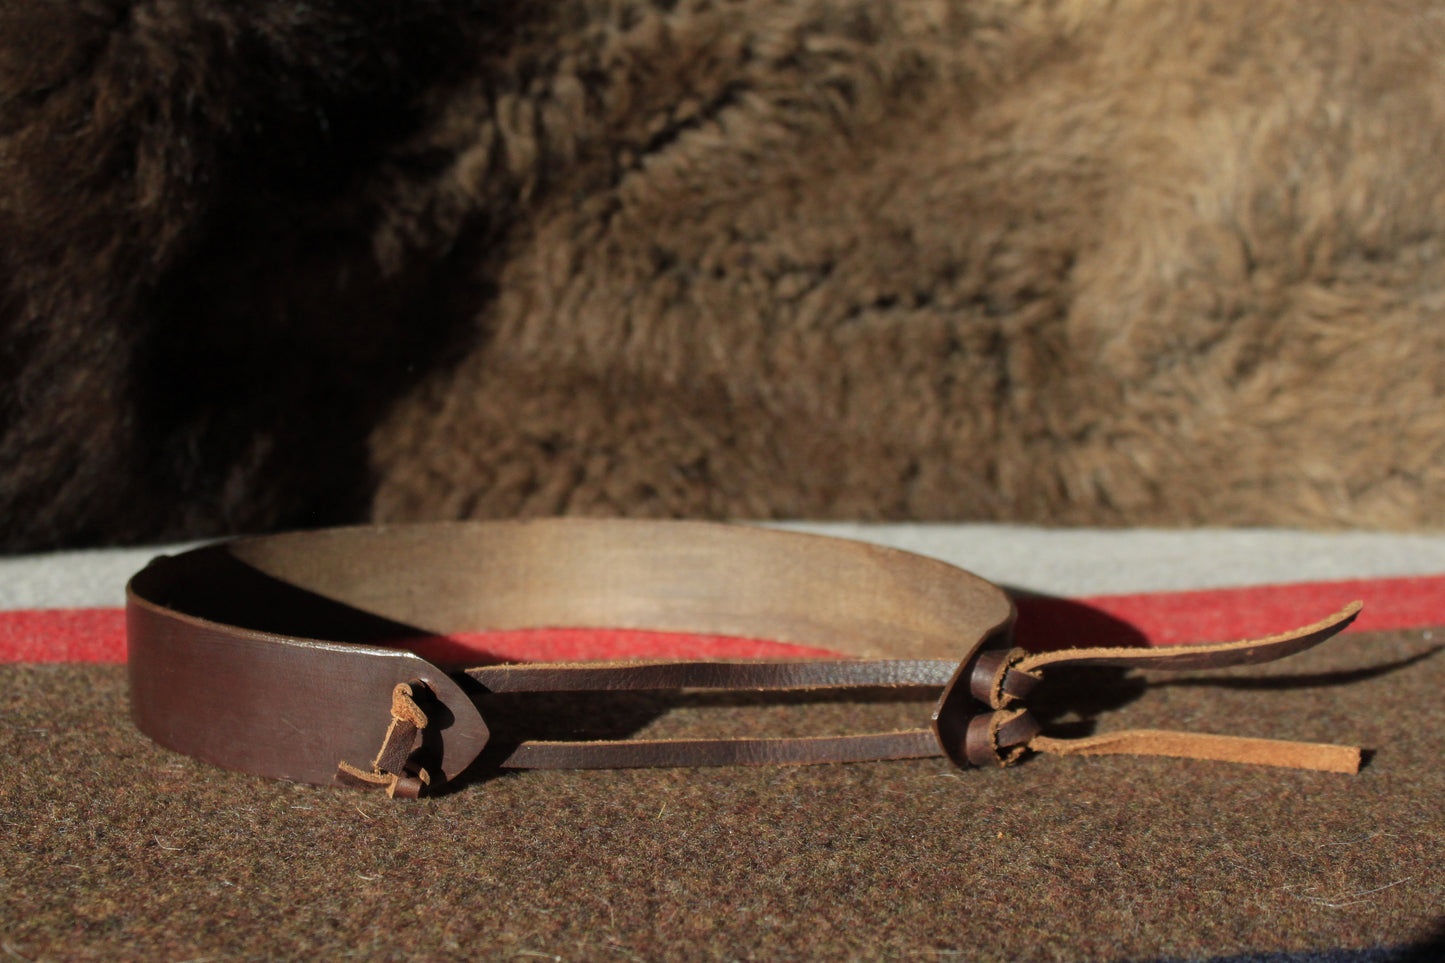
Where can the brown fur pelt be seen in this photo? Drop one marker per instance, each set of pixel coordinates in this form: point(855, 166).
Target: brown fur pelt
point(272, 264)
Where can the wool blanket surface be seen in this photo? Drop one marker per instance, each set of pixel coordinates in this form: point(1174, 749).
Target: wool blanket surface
point(117, 849)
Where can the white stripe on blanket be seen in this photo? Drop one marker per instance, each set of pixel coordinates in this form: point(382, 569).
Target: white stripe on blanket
point(1065, 562)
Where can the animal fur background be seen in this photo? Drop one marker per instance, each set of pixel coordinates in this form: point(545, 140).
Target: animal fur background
point(275, 263)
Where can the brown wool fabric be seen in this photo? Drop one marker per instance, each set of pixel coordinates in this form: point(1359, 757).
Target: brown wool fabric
point(115, 849)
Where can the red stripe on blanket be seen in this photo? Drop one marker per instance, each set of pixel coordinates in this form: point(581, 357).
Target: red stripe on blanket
point(1163, 618)
point(62, 635)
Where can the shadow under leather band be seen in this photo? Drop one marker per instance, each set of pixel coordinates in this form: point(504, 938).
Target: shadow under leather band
point(262, 654)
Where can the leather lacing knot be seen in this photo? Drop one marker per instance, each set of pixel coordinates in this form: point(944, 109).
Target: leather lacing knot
point(1002, 679)
point(394, 768)
point(1000, 738)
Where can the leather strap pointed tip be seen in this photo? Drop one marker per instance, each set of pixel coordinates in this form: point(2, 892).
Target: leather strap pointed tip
point(1217, 655)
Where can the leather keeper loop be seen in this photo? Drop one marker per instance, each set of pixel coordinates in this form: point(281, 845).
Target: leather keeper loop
point(997, 681)
point(1000, 738)
point(985, 678)
point(978, 745)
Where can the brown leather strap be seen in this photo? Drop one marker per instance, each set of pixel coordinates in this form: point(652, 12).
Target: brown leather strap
point(1220, 655)
point(643, 674)
point(634, 753)
point(273, 655)
point(755, 675)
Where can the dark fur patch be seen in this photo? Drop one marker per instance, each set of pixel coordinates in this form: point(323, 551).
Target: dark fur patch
point(273, 264)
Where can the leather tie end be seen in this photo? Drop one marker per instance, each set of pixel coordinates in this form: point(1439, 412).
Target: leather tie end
point(394, 768)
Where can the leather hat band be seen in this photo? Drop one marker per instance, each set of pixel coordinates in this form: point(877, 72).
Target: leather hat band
point(280, 655)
